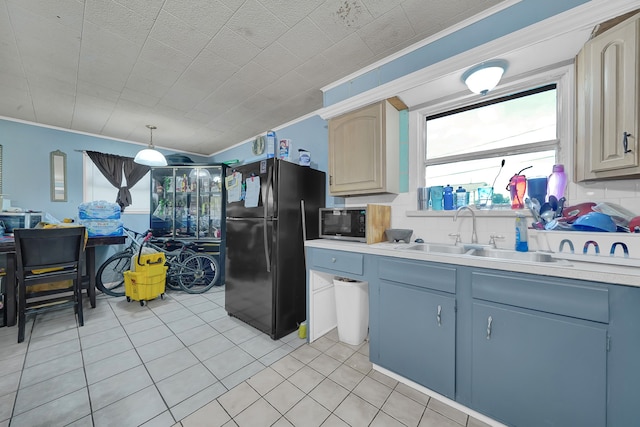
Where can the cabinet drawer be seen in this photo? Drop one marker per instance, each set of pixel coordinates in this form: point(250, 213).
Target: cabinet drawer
point(347, 262)
point(543, 294)
point(418, 274)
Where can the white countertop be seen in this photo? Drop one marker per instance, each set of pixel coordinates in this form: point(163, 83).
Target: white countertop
point(614, 274)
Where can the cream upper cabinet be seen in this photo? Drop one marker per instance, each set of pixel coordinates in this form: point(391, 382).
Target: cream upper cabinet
point(607, 105)
point(363, 151)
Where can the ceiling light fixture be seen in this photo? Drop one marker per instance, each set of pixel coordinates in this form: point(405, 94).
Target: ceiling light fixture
point(150, 156)
point(485, 76)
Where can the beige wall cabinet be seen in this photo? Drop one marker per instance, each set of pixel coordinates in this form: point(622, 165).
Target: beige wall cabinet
point(363, 151)
point(607, 104)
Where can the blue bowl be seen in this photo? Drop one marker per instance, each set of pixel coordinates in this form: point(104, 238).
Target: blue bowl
point(595, 221)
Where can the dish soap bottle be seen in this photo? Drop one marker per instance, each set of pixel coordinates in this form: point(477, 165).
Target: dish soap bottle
point(522, 244)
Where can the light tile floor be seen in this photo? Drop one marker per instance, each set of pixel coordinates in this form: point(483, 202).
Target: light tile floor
point(183, 361)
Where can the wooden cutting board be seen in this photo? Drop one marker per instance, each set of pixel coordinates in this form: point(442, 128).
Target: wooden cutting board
point(378, 220)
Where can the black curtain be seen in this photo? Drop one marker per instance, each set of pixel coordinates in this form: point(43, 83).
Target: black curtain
point(112, 167)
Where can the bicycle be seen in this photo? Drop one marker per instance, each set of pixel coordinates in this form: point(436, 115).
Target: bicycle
point(187, 270)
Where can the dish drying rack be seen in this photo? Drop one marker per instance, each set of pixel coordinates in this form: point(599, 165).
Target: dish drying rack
point(603, 248)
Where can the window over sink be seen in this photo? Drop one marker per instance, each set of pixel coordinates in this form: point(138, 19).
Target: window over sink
point(465, 145)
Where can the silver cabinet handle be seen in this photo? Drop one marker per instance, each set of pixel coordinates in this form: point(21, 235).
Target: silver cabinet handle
point(439, 315)
point(625, 142)
point(489, 321)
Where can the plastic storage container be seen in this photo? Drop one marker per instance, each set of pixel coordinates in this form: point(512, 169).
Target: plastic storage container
point(100, 218)
point(517, 189)
point(447, 198)
point(304, 157)
point(272, 145)
point(436, 194)
point(462, 197)
point(557, 182)
point(352, 310)
point(537, 189)
point(483, 200)
point(423, 198)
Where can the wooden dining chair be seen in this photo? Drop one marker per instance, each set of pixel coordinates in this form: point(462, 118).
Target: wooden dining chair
point(48, 271)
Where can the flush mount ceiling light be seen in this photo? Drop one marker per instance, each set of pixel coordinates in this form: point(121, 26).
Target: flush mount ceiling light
point(150, 156)
point(484, 77)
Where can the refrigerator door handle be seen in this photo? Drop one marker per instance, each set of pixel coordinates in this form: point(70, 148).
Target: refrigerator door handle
point(265, 206)
point(304, 221)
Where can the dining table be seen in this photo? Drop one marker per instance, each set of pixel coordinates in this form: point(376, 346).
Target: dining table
point(8, 247)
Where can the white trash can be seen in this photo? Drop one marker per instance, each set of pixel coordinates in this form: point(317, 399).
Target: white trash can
point(352, 310)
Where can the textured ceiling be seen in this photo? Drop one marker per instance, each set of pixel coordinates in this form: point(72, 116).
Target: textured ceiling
point(208, 73)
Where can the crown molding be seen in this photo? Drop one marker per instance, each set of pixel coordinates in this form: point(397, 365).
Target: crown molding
point(449, 30)
point(557, 28)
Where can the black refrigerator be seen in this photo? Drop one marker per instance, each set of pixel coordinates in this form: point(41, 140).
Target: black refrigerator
point(265, 284)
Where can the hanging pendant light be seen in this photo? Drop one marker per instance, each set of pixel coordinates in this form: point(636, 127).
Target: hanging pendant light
point(150, 156)
point(484, 77)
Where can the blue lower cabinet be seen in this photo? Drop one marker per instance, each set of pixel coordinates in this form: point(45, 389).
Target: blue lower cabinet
point(525, 349)
point(417, 324)
point(536, 369)
point(417, 336)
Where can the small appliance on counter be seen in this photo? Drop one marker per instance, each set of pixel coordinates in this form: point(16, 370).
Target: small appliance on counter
point(13, 220)
point(357, 224)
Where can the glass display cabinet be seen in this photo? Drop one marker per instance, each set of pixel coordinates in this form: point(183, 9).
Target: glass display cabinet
point(188, 204)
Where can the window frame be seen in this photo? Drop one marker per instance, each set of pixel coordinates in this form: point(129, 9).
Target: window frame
point(563, 76)
point(141, 191)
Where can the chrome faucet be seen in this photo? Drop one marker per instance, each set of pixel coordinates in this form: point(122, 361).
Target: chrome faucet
point(474, 235)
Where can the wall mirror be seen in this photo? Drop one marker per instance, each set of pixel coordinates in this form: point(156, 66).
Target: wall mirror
point(58, 176)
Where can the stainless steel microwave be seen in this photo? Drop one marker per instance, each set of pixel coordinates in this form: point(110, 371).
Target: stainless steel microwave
point(344, 224)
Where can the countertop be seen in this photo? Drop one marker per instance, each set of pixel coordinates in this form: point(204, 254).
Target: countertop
point(613, 274)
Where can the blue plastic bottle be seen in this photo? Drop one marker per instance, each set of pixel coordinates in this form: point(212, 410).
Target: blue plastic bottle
point(448, 198)
point(272, 145)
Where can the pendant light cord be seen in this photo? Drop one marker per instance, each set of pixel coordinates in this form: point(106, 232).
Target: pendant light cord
point(151, 128)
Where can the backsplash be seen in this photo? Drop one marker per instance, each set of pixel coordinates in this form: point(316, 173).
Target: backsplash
point(436, 226)
point(625, 193)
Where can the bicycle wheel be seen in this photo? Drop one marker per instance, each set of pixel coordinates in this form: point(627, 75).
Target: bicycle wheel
point(110, 275)
point(198, 273)
point(173, 268)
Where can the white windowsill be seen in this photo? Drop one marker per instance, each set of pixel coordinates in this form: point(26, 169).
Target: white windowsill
point(492, 213)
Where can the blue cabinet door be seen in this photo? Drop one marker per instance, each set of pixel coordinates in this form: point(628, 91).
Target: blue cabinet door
point(417, 335)
point(535, 369)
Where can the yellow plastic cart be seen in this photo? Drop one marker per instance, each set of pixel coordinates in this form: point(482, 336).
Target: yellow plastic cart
point(148, 280)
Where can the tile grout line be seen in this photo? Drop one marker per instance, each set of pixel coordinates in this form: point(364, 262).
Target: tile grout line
point(353, 359)
point(144, 364)
point(24, 367)
point(24, 362)
point(119, 320)
point(188, 348)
